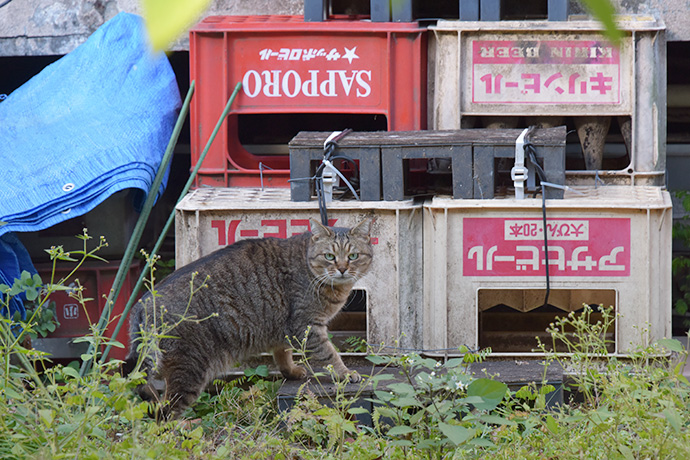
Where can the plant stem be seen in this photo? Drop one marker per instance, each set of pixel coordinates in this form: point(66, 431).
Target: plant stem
point(171, 218)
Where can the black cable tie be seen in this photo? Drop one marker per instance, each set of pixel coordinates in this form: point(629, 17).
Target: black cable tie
point(531, 154)
point(328, 150)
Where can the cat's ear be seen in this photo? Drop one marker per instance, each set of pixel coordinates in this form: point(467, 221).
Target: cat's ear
point(362, 229)
point(319, 230)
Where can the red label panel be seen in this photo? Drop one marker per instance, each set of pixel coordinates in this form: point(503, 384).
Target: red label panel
point(545, 72)
point(309, 71)
point(229, 231)
point(515, 247)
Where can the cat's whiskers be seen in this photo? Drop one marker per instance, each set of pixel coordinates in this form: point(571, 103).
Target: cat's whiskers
point(316, 284)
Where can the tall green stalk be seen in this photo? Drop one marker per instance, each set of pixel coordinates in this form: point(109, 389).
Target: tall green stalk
point(171, 219)
point(138, 230)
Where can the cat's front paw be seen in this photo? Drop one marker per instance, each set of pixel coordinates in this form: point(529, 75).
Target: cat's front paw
point(351, 376)
point(295, 373)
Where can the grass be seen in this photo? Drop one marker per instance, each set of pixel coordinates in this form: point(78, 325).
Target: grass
point(632, 408)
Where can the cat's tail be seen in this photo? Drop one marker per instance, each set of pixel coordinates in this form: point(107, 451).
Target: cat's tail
point(146, 390)
point(135, 321)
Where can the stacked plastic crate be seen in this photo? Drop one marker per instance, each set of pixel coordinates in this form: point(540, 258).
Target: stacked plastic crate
point(297, 76)
point(473, 269)
point(609, 240)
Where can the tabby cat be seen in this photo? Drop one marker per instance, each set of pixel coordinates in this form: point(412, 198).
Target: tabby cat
point(258, 292)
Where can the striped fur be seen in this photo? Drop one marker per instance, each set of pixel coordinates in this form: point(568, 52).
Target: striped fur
point(262, 291)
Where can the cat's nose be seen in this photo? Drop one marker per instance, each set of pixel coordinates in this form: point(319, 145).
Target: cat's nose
point(342, 270)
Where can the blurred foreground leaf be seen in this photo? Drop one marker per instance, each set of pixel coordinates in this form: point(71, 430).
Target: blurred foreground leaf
point(168, 19)
point(603, 11)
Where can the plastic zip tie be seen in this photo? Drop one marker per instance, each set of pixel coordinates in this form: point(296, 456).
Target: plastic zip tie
point(519, 172)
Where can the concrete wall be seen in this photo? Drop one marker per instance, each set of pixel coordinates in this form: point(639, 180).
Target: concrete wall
point(674, 13)
point(55, 27)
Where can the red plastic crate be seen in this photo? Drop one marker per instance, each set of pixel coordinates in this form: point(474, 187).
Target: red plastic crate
point(288, 66)
point(75, 320)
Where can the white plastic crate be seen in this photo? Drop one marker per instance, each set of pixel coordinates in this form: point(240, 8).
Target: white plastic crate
point(556, 69)
point(609, 245)
point(210, 218)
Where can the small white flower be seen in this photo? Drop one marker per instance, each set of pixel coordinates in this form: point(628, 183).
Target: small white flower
point(438, 364)
point(431, 376)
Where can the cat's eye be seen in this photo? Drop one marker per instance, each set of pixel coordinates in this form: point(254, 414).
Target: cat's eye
point(353, 256)
point(329, 256)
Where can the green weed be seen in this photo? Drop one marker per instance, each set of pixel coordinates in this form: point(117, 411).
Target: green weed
point(409, 407)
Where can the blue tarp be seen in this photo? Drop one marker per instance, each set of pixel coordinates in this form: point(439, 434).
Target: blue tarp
point(93, 123)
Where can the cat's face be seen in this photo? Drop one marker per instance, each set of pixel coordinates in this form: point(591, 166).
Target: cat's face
point(338, 256)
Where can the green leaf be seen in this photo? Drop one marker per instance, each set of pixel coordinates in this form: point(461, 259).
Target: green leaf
point(47, 416)
point(349, 427)
point(383, 395)
point(678, 372)
point(601, 415)
point(525, 392)
point(71, 372)
point(357, 411)
point(496, 420)
point(87, 339)
point(552, 425)
point(401, 388)
point(167, 19)
point(546, 389)
point(402, 443)
point(491, 391)
point(12, 393)
point(673, 419)
point(482, 442)
point(456, 433)
point(671, 345)
point(26, 278)
point(31, 294)
point(261, 371)
point(99, 433)
point(378, 359)
point(386, 412)
point(406, 401)
point(472, 400)
point(324, 411)
point(417, 417)
point(604, 11)
point(67, 428)
point(573, 418)
point(454, 362)
point(427, 444)
point(429, 363)
point(400, 430)
point(627, 452)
